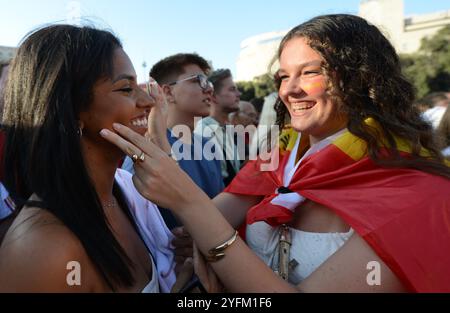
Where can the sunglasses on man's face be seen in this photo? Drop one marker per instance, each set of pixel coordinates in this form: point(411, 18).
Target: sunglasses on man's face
point(202, 80)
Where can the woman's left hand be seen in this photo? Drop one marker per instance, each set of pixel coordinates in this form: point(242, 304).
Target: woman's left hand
point(183, 246)
point(157, 177)
point(183, 276)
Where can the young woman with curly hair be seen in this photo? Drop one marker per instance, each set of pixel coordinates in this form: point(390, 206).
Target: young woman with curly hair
point(359, 201)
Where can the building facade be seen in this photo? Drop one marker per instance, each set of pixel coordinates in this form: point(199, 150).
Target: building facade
point(405, 34)
point(256, 55)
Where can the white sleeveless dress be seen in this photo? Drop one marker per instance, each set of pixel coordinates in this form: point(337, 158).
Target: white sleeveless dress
point(154, 232)
point(309, 249)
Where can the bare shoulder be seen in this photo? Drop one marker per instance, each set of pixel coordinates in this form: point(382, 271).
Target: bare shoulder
point(38, 254)
point(355, 267)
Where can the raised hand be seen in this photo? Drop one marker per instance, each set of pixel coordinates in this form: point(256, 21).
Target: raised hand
point(157, 120)
point(157, 177)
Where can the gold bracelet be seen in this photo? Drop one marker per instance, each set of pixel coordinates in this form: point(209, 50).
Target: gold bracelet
point(216, 254)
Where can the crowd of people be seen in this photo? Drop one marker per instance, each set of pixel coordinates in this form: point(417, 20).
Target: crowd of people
point(146, 188)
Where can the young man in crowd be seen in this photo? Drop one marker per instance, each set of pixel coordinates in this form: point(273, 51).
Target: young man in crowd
point(245, 117)
point(224, 101)
point(183, 79)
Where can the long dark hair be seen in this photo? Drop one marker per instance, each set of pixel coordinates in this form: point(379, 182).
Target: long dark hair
point(51, 81)
point(366, 81)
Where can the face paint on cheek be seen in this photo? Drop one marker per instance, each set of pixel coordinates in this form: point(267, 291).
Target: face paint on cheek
point(314, 86)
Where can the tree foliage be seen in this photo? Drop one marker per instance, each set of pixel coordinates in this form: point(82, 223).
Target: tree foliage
point(429, 68)
point(258, 88)
point(247, 90)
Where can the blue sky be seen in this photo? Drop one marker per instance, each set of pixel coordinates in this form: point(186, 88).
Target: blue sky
point(151, 30)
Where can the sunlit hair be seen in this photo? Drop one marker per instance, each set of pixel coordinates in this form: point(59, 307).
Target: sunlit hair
point(170, 68)
point(51, 80)
point(366, 81)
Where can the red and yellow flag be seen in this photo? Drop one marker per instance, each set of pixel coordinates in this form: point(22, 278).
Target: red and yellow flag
point(403, 214)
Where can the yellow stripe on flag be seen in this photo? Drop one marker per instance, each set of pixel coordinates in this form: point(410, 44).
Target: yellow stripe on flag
point(287, 139)
point(356, 148)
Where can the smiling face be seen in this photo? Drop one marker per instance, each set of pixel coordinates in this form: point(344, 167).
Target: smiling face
point(303, 90)
point(117, 99)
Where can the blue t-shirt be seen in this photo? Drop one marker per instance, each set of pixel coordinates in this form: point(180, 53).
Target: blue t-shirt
point(205, 173)
point(7, 205)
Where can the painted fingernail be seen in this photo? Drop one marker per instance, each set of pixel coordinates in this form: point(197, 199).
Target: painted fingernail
point(104, 132)
point(117, 126)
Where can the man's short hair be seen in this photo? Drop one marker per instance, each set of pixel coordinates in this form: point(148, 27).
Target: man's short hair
point(217, 77)
point(168, 69)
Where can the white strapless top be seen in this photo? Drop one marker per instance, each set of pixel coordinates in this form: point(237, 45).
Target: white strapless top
point(154, 232)
point(153, 285)
point(310, 250)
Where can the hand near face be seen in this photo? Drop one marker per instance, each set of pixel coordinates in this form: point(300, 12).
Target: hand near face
point(157, 177)
point(157, 120)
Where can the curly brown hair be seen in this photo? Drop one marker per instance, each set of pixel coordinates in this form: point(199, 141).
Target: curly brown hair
point(366, 81)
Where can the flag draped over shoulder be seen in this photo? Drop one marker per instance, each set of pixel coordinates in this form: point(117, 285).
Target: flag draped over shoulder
point(403, 214)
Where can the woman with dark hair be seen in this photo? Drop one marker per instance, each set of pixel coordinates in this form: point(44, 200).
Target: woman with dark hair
point(359, 201)
point(82, 226)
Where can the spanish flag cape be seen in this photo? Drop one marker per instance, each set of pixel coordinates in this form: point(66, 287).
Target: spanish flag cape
point(403, 214)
